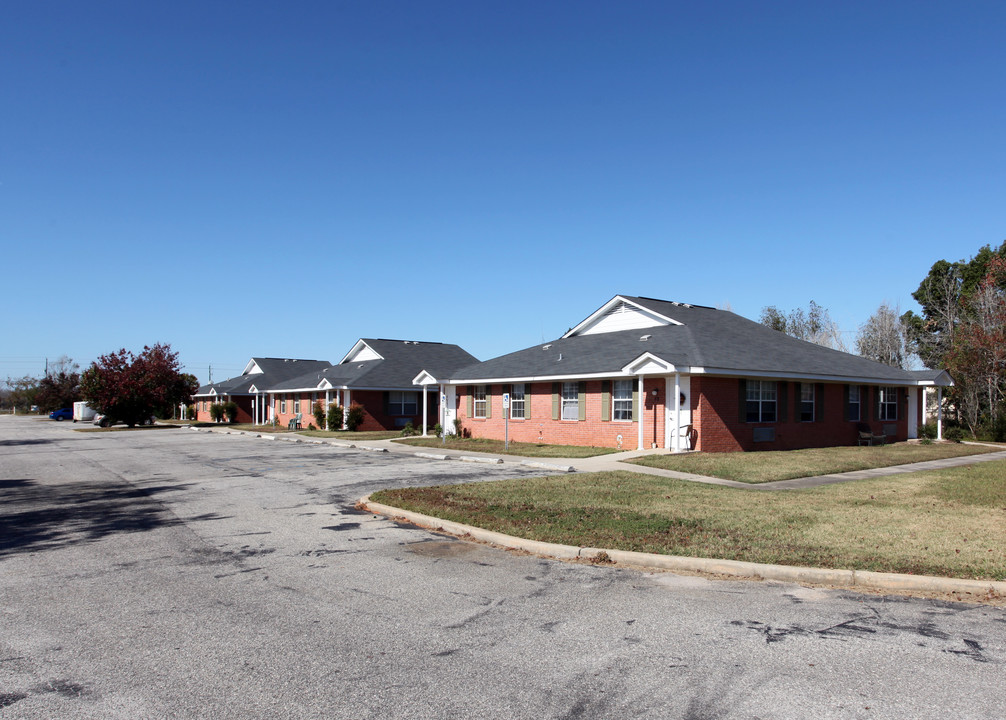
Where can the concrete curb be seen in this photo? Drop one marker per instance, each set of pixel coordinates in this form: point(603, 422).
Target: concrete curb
point(475, 459)
point(865, 579)
point(548, 466)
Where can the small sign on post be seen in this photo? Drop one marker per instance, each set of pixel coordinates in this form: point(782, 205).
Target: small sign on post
point(506, 422)
point(443, 414)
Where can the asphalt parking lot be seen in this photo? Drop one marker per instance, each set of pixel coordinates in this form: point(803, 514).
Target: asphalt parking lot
point(167, 573)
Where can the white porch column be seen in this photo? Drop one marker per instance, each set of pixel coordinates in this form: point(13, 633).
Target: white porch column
point(641, 411)
point(939, 413)
point(347, 397)
point(677, 412)
point(328, 401)
point(425, 397)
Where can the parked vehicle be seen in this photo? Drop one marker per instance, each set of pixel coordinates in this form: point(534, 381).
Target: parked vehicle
point(61, 414)
point(82, 412)
point(107, 421)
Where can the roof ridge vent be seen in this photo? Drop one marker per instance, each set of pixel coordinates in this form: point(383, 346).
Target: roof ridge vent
point(644, 338)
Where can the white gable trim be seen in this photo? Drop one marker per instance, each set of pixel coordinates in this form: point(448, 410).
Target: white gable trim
point(650, 364)
point(252, 368)
point(360, 352)
point(425, 378)
point(941, 380)
point(634, 317)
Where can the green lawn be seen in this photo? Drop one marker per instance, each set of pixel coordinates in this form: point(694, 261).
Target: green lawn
point(948, 522)
point(497, 447)
point(767, 466)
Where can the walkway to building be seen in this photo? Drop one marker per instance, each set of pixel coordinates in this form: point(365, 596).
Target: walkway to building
point(614, 461)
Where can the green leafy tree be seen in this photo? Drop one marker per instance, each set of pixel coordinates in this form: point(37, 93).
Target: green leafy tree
point(944, 296)
point(131, 387)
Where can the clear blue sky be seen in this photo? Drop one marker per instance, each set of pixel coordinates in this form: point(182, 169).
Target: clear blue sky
point(279, 179)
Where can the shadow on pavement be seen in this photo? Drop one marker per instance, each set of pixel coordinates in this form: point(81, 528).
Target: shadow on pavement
point(37, 517)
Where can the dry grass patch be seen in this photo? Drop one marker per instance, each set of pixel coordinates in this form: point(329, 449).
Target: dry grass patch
point(949, 522)
point(771, 465)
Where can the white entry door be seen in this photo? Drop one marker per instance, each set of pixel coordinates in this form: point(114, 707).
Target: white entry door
point(684, 424)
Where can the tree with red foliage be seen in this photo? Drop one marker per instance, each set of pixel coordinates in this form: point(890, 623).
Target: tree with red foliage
point(130, 388)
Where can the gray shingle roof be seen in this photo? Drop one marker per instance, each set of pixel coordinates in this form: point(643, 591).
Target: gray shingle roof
point(274, 371)
point(707, 339)
point(403, 360)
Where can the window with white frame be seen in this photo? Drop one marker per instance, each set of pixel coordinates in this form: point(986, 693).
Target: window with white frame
point(517, 401)
point(888, 403)
point(761, 401)
point(479, 399)
point(296, 404)
point(621, 400)
point(807, 402)
point(282, 405)
point(570, 401)
point(403, 402)
point(854, 404)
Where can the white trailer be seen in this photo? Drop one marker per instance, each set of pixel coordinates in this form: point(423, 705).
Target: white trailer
point(82, 412)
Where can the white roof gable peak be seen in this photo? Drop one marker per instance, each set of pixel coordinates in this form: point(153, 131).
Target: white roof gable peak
point(360, 352)
point(620, 313)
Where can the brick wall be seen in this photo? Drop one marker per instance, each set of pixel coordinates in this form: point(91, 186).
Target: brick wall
point(716, 418)
point(719, 422)
point(539, 427)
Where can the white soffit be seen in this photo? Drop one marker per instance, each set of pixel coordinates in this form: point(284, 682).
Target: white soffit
point(360, 352)
point(649, 364)
point(620, 314)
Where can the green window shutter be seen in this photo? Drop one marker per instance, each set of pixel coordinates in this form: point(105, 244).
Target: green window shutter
point(384, 400)
point(742, 400)
point(876, 403)
point(783, 401)
point(845, 403)
point(489, 401)
point(635, 403)
point(581, 401)
point(605, 400)
point(469, 399)
point(819, 402)
point(527, 401)
point(556, 387)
